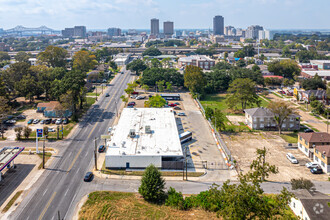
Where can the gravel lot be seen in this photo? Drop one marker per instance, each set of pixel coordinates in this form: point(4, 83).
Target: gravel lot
point(243, 147)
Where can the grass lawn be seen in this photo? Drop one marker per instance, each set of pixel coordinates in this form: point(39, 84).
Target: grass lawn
point(218, 101)
point(11, 202)
point(140, 173)
point(92, 94)
point(290, 138)
point(120, 205)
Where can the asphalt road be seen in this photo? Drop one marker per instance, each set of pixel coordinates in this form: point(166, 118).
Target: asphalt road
point(57, 188)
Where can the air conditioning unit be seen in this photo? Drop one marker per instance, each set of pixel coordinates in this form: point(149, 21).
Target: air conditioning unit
point(132, 133)
point(148, 129)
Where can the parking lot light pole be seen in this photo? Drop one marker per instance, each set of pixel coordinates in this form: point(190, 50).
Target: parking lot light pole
point(95, 156)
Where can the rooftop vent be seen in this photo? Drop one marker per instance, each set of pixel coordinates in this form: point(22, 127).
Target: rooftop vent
point(123, 144)
point(147, 129)
point(132, 133)
point(123, 153)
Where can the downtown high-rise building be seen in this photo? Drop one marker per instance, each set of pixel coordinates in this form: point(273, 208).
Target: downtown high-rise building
point(168, 28)
point(252, 32)
point(76, 31)
point(218, 25)
point(154, 27)
point(114, 32)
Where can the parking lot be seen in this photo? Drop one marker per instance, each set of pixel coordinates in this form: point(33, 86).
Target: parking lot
point(243, 147)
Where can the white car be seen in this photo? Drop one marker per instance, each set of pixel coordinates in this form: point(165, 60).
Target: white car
point(109, 129)
point(291, 158)
point(181, 114)
point(58, 121)
point(311, 165)
point(51, 130)
point(36, 121)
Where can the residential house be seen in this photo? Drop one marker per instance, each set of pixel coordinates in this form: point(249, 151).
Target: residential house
point(262, 118)
point(308, 141)
point(310, 205)
point(322, 157)
point(320, 95)
point(53, 109)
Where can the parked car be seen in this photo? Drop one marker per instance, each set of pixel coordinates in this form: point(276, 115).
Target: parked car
point(312, 165)
point(308, 130)
point(135, 93)
point(30, 121)
point(51, 130)
point(181, 114)
point(88, 177)
point(177, 103)
point(140, 97)
point(107, 95)
point(35, 121)
point(172, 105)
point(42, 122)
point(101, 148)
point(174, 112)
point(133, 96)
point(21, 117)
point(48, 121)
point(65, 121)
point(131, 104)
point(11, 121)
point(58, 121)
point(291, 158)
point(316, 170)
point(177, 108)
point(150, 96)
point(54, 120)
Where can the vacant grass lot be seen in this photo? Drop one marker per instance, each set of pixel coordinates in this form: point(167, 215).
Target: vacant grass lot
point(118, 205)
point(218, 101)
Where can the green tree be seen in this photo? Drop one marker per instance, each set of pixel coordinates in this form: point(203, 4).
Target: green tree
point(145, 88)
point(4, 56)
point(23, 56)
point(209, 112)
point(194, 79)
point(239, 54)
point(286, 52)
point(152, 51)
point(242, 92)
point(219, 119)
point(53, 56)
point(249, 50)
point(285, 68)
point(152, 185)
point(45, 131)
point(4, 111)
point(288, 82)
point(124, 98)
point(225, 55)
point(18, 131)
point(281, 110)
point(27, 132)
point(314, 83)
point(259, 168)
point(137, 66)
point(155, 101)
point(169, 86)
point(255, 68)
point(113, 65)
point(160, 85)
point(27, 87)
point(129, 90)
point(301, 183)
point(84, 61)
point(155, 63)
point(241, 63)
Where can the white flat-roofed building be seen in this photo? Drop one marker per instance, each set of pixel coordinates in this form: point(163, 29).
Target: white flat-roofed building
point(145, 136)
point(122, 59)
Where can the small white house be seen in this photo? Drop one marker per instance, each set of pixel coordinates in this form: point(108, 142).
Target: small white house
point(310, 205)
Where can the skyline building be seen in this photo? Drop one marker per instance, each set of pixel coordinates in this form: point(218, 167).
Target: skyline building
point(218, 25)
point(252, 32)
point(114, 32)
point(154, 27)
point(168, 28)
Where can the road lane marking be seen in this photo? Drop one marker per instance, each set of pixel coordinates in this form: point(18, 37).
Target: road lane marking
point(66, 192)
point(47, 206)
point(74, 160)
point(45, 192)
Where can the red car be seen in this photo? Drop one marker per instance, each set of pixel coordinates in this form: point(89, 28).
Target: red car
point(172, 105)
point(131, 104)
point(135, 93)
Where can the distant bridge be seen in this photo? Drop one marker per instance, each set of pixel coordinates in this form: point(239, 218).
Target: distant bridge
point(23, 31)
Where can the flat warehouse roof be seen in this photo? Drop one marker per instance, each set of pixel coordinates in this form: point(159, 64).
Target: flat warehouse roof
point(162, 139)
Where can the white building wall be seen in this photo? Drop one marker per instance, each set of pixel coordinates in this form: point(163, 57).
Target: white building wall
point(134, 161)
point(298, 209)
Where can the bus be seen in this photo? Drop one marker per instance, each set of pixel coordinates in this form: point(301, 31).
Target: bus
point(170, 96)
point(185, 137)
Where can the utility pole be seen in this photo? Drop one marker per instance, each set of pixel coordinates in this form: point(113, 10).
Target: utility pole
point(116, 107)
point(183, 170)
point(62, 131)
point(43, 153)
point(58, 214)
point(95, 155)
point(96, 92)
point(327, 120)
point(186, 164)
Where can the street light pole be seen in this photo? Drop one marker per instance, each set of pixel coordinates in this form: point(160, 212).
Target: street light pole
point(327, 121)
point(43, 153)
point(116, 107)
point(186, 164)
point(96, 92)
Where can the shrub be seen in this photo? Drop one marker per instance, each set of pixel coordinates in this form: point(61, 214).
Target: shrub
point(152, 185)
point(301, 184)
point(175, 199)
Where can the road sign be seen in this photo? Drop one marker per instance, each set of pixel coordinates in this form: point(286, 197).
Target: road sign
point(105, 136)
point(39, 133)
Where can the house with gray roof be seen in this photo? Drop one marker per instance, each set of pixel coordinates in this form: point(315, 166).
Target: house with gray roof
point(310, 205)
point(263, 119)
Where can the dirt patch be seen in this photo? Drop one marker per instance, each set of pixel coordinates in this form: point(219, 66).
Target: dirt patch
point(236, 120)
point(243, 147)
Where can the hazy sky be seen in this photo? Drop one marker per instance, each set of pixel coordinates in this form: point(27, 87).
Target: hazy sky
point(101, 14)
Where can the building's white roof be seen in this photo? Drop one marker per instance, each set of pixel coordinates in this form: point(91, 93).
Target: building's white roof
point(163, 141)
point(320, 61)
point(195, 57)
point(321, 73)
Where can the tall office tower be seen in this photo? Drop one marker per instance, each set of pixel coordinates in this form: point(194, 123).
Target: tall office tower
point(68, 32)
point(168, 29)
point(154, 27)
point(79, 31)
point(114, 32)
point(252, 32)
point(218, 25)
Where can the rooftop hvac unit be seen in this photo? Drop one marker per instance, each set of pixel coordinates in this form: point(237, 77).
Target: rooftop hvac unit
point(147, 129)
point(123, 144)
point(132, 133)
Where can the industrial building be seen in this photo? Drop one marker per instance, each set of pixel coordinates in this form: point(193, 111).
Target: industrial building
point(201, 61)
point(145, 136)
